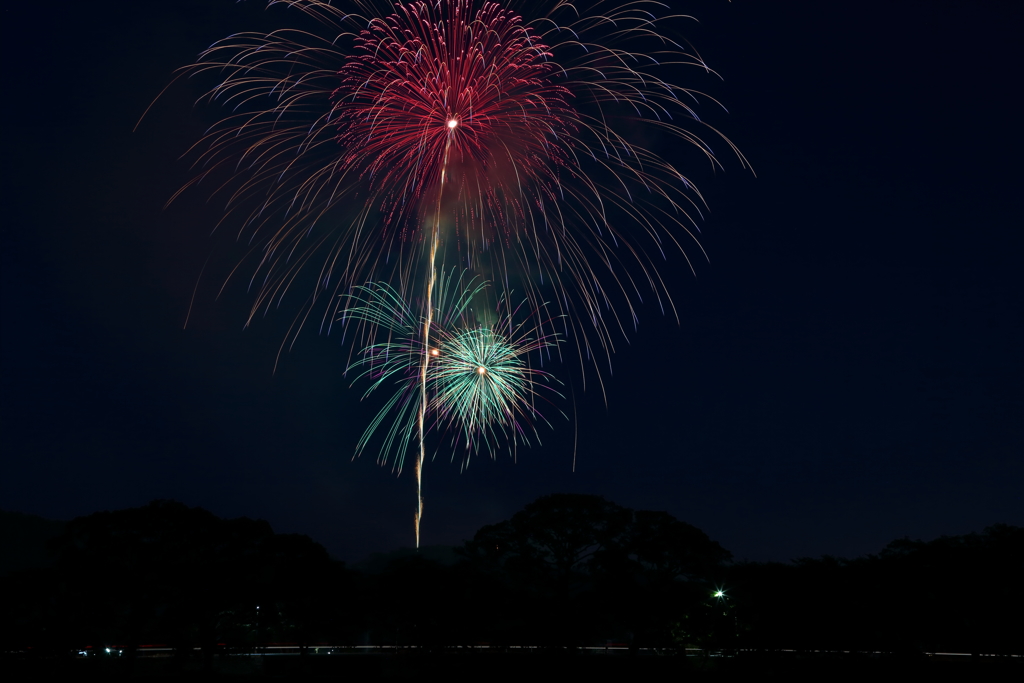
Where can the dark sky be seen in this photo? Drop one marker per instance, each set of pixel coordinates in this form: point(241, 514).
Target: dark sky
point(848, 368)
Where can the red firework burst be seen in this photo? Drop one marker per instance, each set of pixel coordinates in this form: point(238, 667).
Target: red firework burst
point(548, 134)
point(442, 89)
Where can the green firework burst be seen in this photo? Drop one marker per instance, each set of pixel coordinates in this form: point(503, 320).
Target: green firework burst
point(482, 389)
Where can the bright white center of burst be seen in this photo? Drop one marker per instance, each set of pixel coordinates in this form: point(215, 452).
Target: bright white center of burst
point(452, 123)
point(434, 352)
point(482, 370)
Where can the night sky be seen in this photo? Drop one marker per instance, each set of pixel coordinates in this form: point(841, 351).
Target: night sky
point(847, 369)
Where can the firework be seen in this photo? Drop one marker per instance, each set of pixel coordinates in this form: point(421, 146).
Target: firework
point(403, 139)
point(483, 387)
point(483, 390)
point(514, 136)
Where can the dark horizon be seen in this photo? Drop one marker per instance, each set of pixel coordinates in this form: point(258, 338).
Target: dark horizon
point(565, 578)
point(844, 372)
point(33, 533)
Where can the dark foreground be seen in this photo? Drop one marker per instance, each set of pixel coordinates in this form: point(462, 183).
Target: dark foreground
point(504, 666)
point(166, 591)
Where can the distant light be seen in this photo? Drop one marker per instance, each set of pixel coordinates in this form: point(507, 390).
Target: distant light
point(108, 650)
point(482, 370)
point(434, 352)
point(452, 123)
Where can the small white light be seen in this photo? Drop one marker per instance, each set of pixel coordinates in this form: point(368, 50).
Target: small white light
point(452, 123)
point(482, 370)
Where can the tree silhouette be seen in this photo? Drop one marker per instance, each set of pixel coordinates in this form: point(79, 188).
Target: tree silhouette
point(169, 574)
point(579, 567)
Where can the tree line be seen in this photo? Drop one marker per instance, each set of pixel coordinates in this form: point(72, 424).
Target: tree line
point(566, 571)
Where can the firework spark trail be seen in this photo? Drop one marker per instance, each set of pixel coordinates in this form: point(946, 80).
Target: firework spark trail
point(428, 321)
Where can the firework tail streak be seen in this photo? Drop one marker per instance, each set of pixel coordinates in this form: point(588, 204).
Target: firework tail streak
point(452, 124)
